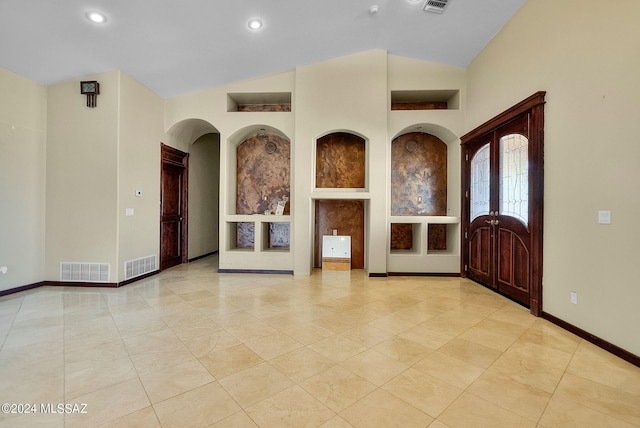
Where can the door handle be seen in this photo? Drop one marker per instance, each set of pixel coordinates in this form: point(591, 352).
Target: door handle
point(489, 222)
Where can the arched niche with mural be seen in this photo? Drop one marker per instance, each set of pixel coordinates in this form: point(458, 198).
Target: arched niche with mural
point(263, 186)
point(418, 187)
point(340, 161)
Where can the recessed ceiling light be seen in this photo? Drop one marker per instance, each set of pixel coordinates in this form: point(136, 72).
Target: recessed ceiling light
point(255, 24)
point(96, 17)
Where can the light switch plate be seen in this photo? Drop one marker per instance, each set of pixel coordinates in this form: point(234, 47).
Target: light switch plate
point(604, 217)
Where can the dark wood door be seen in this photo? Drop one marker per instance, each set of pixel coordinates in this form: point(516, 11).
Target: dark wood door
point(502, 206)
point(345, 216)
point(173, 207)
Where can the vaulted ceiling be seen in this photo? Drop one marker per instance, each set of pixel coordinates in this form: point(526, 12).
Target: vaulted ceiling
point(180, 46)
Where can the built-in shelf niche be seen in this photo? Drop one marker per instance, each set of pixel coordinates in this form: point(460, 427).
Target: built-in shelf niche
point(441, 238)
point(275, 236)
point(241, 235)
point(433, 99)
point(259, 102)
point(405, 238)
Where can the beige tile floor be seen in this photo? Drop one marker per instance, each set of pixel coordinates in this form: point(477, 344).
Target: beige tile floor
point(191, 347)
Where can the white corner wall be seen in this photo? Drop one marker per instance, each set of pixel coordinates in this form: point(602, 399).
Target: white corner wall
point(23, 124)
point(82, 182)
point(586, 58)
point(140, 132)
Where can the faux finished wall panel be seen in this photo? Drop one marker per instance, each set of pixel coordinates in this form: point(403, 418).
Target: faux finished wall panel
point(418, 175)
point(263, 179)
point(263, 172)
point(340, 161)
point(401, 236)
point(418, 186)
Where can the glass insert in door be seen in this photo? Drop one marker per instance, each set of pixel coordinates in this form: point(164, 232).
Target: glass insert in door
point(514, 177)
point(479, 197)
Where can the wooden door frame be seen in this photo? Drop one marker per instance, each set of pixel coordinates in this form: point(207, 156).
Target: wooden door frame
point(535, 106)
point(173, 156)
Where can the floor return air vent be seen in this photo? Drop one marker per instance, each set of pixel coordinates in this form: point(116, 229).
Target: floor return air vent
point(84, 272)
point(141, 266)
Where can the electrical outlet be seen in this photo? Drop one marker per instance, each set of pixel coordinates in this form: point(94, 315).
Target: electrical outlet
point(574, 297)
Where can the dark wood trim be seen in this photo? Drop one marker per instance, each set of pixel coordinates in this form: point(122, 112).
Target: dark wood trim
point(257, 271)
point(22, 288)
point(534, 106)
point(419, 105)
point(451, 275)
point(203, 256)
point(607, 346)
point(523, 106)
point(138, 278)
point(82, 284)
point(378, 274)
point(172, 156)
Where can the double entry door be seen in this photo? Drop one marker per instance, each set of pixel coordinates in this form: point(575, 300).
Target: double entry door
point(502, 203)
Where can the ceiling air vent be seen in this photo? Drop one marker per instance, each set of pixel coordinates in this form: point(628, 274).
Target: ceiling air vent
point(435, 6)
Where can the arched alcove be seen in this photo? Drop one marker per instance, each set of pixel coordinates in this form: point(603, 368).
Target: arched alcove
point(261, 177)
point(201, 140)
point(418, 187)
point(341, 161)
point(341, 166)
point(187, 131)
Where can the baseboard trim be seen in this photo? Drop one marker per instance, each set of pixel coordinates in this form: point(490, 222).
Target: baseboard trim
point(203, 256)
point(81, 284)
point(607, 346)
point(378, 274)
point(257, 271)
point(22, 288)
point(443, 274)
point(138, 278)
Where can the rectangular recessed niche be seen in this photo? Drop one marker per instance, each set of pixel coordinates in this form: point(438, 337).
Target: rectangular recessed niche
point(437, 237)
point(401, 236)
point(259, 102)
point(276, 236)
point(241, 235)
point(405, 237)
point(435, 99)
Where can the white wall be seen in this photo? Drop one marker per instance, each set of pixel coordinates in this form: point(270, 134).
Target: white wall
point(140, 131)
point(82, 182)
point(586, 57)
point(344, 94)
point(204, 194)
point(23, 115)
